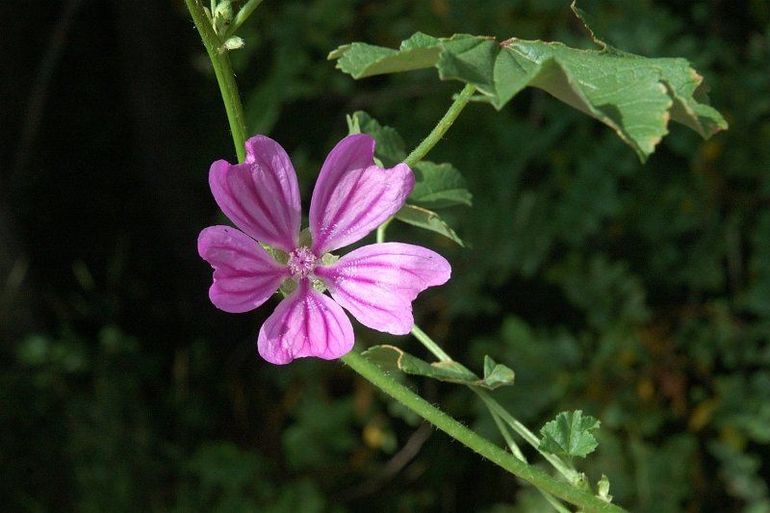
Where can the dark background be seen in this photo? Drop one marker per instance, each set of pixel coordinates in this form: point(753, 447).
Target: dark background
point(640, 294)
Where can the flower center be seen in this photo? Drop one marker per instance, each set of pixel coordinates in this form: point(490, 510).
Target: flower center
point(301, 262)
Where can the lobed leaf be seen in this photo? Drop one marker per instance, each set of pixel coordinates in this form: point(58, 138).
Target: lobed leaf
point(361, 60)
point(569, 434)
point(634, 95)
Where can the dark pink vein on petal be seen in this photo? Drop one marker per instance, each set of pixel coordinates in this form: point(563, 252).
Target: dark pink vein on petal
point(263, 207)
point(306, 324)
point(343, 206)
point(281, 191)
point(366, 210)
point(326, 324)
point(366, 303)
point(243, 213)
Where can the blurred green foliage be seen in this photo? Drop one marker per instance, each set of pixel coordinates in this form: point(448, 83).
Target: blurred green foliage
point(639, 294)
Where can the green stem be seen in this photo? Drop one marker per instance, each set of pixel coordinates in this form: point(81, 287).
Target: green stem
point(226, 79)
point(553, 501)
point(514, 448)
point(223, 70)
point(381, 231)
point(496, 408)
point(585, 500)
point(510, 442)
point(242, 16)
point(442, 126)
point(430, 345)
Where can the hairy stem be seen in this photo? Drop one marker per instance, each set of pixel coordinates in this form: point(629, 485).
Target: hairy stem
point(514, 448)
point(496, 408)
point(442, 126)
point(498, 412)
point(585, 500)
point(223, 70)
point(234, 108)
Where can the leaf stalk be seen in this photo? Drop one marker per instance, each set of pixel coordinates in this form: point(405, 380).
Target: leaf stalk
point(442, 126)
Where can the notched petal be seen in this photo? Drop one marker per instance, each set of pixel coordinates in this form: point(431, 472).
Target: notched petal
point(260, 196)
point(353, 196)
point(245, 276)
point(306, 323)
point(377, 283)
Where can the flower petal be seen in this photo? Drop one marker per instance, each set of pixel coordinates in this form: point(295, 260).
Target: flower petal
point(377, 283)
point(245, 276)
point(306, 323)
point(353, 196)
point(260, 196)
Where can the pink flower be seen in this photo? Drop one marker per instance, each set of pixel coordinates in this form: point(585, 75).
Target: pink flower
point(352, 197)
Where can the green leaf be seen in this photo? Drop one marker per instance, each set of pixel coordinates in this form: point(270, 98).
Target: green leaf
point(496, 374)
point(364, 60)
point(570, 434)
point(634, 95)
point(427, 219)
point(684, 84)
point(392, 359)
point(439, 186)
point(390, 148)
